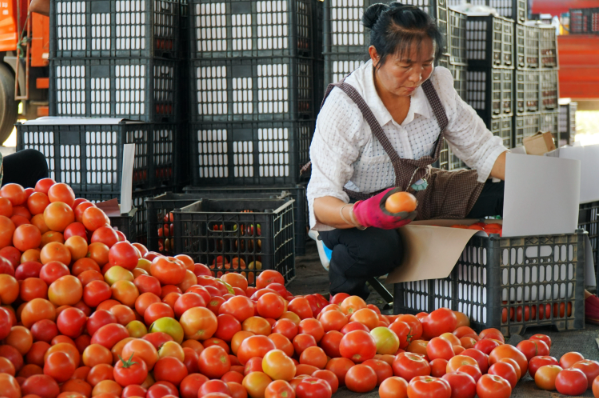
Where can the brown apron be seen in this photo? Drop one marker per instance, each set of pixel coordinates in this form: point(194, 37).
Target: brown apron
point(450, 194)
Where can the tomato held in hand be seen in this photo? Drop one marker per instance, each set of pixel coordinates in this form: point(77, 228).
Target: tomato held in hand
point(427, 386)
point(571, 382)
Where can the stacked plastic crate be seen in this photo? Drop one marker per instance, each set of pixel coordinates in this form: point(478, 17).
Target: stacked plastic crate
point(567, 121)
point(251, 93)
point(490, 53)
point(111, 60)
point(584, 21)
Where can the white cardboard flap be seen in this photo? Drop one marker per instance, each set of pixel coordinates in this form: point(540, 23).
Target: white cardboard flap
point(127, 178)
point(588, 156)
point(541, 195)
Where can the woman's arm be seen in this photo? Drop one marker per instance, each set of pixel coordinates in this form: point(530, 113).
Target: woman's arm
point(328, 211)
point(498, 170)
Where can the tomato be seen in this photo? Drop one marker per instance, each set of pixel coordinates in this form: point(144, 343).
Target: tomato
point(59, 366)
point(427, 386)
point(256, 383)
point(313, 387)
point(486, 345)
point(542, 337)
point(26, 237)
point(509, 351)
point(589, 368)
point(352, 304)
point(571, 382)
point(187, 301)
point(439, 348)
point(386, 340)
point(536, 362)
point(332, 320)
point(438, 322)
point(267, 277)
point(170, 369)
point(596, 388)
point(279, 389)
point(278, 366)
point(492, 333)
point(190, 386)
point(330, 343)
point(130, 371)
point(227, 327)
point(214, 362)
point(408, 366)
point(358, 346)
point(339, 366)
point(489, 386)
point(286, 327)
point(481, 358)
point(36, 353)
point(134, 391)
point(546, 375)
point(393, 387)
point(329, 377)
point(569, 359)
point(7, 228)
point(66, 290)
point(43, 386)
point(254, 346)
point(15, 193)
point(533, 348)
point(401, 202)
point(142, 349)
point(92, 217)
point(198, 323)
point(382, 369)
point(110, 334)
point(506, 371)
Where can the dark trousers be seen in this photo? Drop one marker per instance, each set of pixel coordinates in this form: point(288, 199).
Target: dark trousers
point(358, 255)
point(25, 167)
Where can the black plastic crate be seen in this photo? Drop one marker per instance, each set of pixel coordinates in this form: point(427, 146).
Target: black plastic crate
point(503, 127)
point(242, 235)
point(584, 20)
point(241, 28)
point(549, 90)
point(252, 89)
point(490, 41)
point(548, 122)
point(490, 92)
point(319, 86)
point(516, 10)
point(588, 219)
point(548, 47)
point(318, 28)
point(126, 224)
point(114, 28)
point(496, 279)
point(528, 53)
point(143, 89)
point(259, 153)
point(528, 91)
point(297, 192)
point(139, 196)
point(456, 37)
point(525, 126)
point(338, 66)
point(567, 121)
point(89, 156)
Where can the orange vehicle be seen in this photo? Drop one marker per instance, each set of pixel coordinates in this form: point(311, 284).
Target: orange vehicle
point(24, 51)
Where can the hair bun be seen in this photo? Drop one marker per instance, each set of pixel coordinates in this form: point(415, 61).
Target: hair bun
point(373, 13)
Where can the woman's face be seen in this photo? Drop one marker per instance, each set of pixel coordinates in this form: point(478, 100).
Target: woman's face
point(402, 74)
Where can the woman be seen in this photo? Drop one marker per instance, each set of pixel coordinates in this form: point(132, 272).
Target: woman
point(25, 167)
point(381, 128)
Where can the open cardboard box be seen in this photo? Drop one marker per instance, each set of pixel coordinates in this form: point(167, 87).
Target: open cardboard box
point(541, 198)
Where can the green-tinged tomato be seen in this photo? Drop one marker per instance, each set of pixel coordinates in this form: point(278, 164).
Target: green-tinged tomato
point(387, 342)
point(169, 326)
point(136, 329)
point(118, 273)
point(144, 264)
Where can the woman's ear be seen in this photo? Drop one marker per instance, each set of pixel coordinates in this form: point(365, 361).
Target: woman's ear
point(374, 56)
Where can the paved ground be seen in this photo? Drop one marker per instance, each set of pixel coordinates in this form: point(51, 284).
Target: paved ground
point(312, 278)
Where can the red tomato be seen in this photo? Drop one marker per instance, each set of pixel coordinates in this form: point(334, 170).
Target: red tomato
point(43, 386)
point(330, 343)
point(125, 255)
point(279, 389)
point(569, 359)
point(409, 365)
point(492, 333)
point(589, 368)
point(59, 366)
point(358, 346)
point(533, 348)
point(329, 377)
point(382, 369)
point(440, 321)
point(339, 366)
point(542, 337)
point(438, 367)
point(71, 322)
point(506, 371)
point(439, 348)
point(361, 378)
point(170, 369)
point(571, 382)
point(490, 386)
point(190, 386)
point(214, 362)
point(109, 335)
point(536, 362)
point(427, 386)
point(481, 358)
point(486, 346)
point(130, 371)
point(462, 385)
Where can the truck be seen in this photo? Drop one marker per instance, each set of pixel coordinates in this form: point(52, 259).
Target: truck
point(24, 61)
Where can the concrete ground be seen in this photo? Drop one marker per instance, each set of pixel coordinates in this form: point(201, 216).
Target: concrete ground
point(312, 278)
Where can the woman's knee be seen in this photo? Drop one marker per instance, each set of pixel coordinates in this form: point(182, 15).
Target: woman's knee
point(381, 248)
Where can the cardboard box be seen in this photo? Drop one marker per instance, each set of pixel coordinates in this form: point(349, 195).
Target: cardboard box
point(588, 156)
point(539, 144)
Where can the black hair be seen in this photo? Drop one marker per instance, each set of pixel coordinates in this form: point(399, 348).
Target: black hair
point(395, 27)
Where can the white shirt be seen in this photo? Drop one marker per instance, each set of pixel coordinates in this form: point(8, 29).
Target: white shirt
point(345, 153)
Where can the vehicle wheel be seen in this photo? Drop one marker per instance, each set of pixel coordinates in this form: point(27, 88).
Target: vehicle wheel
point(8, 105)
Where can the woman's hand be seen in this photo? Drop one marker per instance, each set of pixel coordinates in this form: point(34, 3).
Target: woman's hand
point(498, 170)
point(372, 212)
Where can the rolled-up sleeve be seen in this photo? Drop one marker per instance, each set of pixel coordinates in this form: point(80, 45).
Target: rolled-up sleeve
point(466, 133)
point(334, 149)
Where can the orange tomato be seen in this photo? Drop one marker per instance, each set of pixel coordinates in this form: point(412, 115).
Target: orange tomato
point(401, 202)
point(55, 251)
point(61, 192)
point(278, 366)
point(58, 216)
point(27, 237)
point(7, 228)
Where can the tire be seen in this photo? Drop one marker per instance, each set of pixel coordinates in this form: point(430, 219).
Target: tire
point(8, 105)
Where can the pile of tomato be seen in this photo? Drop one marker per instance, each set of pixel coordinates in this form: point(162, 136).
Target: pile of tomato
point(489, 228)
point(84, 313)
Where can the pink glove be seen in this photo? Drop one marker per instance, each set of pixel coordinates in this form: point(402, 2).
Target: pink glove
point(372, 212)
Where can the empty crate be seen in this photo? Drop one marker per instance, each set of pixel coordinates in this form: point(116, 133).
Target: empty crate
point(114, 28)
point(241, 235)
point(502, 127)
point(240, 28)
point(259, 153)
point(528, 91)
point(516, 10)
point(490, 92)
point(525, 126)
point(338, 66)
point(252, 89)
point(87, 154)
point(459, 73)
point(142, 89)
point(548, 121)
point(567, 121)
point(456, 37)
point(490, 41)
point(509, 284)
point(527, 46)
point(549, 89)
